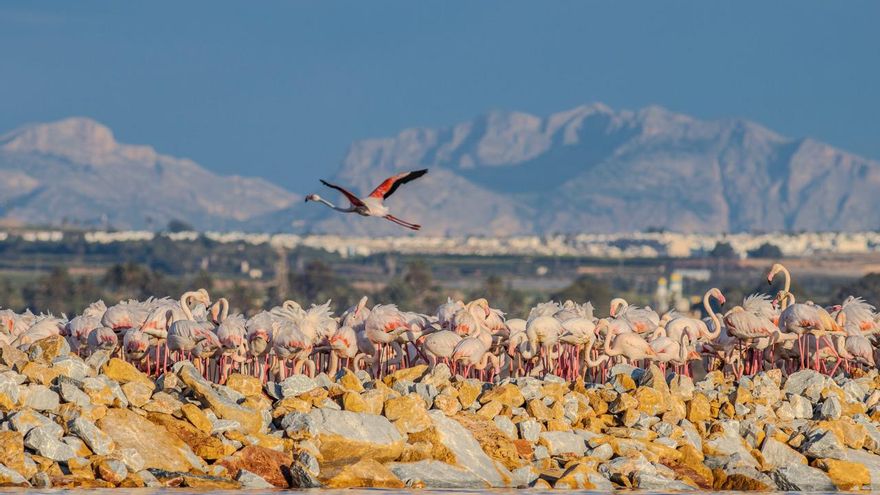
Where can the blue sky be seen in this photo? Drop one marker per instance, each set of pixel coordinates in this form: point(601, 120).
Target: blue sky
point(280, 89)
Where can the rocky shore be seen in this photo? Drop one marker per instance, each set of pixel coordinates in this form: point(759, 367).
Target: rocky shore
point(99, 422)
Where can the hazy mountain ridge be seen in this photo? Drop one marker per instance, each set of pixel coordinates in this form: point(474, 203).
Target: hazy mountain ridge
point(74, 170)
point(588, 169)
point(599, 170)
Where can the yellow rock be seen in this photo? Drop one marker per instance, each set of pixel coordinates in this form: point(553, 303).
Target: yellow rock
point(623, 382)
point(366, 473)
point(557, 390)
point(81, 468)
point(249, 386)
point(850, 433)
point(650, 401)
point(99, 393)
point(846, 475)
point(576, 477)
point(467, 393)
point(408, 413)
point(414, 452)
point(204, 445)
point(350, 381)
point(558, 425)
point(411, 374)
point(374, 400)
point(699, 409)
point(12, 452)
point(494, 442)
point(449, 404)
point(352, 401)
point(51, 348)
point(40, 373)
point(159, 448)
point(490, 409)
point(106, 473)
point(197, 418)
point(122, 372)
point(289, 405)
point(137, 393)
point(507, 394)
point(539, 411)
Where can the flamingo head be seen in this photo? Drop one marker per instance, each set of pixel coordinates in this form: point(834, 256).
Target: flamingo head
point(776, 268)
point(716, 293)
point(312, 197)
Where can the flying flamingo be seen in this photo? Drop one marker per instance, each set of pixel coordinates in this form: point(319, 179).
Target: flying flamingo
point(373, 205)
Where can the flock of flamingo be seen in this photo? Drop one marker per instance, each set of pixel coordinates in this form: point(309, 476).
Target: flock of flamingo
point(472, 338)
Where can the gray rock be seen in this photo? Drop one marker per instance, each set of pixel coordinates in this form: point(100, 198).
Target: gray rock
point(603, 452)
point(41, 480)
point(304, 471)
point(224, 425)
point(777, 454)
point(229, 394)
point(437, 475)
point(71, 393)
point(808, 383)
point(647, 481)
point(403, 387)
point(329, 403)
point(427, 392)
point(13, 476)
point(524, 476)
point(116, 389)
point(506, 425)
point(627, 466)
point(364, 375)
point(360, 427)
point(45, 442)
point(132, 459)
point(299, 426)
point(800, 406)
point(872, 443)
point(823, 445)
point(149, 479)
point(563, 442)
point(682, 387)
point(467, 451)
point(731, 443)
point(9, 388)
point(530, 387)
point(19, 424)
point(296, 385)
point(802, 478)
point(73, 367)
point(323, 380)
point(99, 442)
point(691, 433)
point(856, 391)
point(529, 430)
point(831, 408)
point(41, 398)
point(98, 359)
point(250, 480)
point(540, 452)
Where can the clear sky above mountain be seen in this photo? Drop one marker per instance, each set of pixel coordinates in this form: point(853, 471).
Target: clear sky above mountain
point(279, 89)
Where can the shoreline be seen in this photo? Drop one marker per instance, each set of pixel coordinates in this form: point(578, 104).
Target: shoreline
point(99, 422)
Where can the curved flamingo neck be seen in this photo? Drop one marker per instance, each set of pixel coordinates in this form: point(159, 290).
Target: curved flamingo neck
point(185, 302)
point(714, 317)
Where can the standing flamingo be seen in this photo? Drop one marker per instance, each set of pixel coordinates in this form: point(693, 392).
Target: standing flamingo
point(373, 205)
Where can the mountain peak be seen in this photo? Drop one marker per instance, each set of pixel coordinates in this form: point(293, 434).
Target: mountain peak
point(78, 139)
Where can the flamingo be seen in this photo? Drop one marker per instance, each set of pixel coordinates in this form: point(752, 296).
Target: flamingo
point(373, 205)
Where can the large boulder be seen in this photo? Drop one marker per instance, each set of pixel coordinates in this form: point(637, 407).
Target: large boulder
point(159, 448)
point(345, 435)
point(802, 478)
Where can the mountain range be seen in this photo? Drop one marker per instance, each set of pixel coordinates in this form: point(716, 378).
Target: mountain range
point(588, 169)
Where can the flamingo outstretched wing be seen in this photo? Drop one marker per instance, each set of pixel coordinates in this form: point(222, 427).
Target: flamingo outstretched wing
point(354, 200)
point(391, 184)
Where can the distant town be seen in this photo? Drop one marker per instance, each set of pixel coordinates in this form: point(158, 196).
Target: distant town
point(623, 245)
